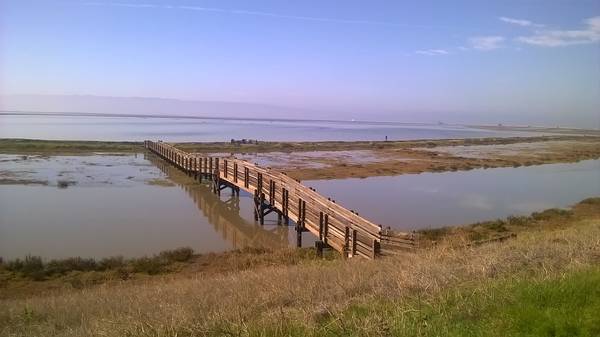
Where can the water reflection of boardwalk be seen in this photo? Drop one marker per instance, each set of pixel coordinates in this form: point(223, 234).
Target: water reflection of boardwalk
point(224, 215)
point(275, 192)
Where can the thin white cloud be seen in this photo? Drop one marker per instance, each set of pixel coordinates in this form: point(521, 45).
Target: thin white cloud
point(253, 13)
point(486, 43)
point(558, 38)
point(519, 22)
point(432, 52)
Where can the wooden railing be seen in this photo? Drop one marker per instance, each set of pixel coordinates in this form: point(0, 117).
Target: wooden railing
point(334, 225)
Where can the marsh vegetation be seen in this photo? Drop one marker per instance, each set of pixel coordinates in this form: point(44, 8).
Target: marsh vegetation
point(541, 282)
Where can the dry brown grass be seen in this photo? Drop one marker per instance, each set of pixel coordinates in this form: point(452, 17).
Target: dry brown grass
point(259, 300)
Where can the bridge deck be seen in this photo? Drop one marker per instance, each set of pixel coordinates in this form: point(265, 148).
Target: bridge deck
point(334, 225)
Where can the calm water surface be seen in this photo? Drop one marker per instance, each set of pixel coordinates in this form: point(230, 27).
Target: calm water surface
point(123, 215)
point(414, 201)
point(188, 129)
point(113, 210)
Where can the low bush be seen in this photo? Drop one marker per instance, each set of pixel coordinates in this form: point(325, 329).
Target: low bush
point(591, 201)
point(109, 263)
point(33, 267)
point(70, 264)
point(434, 234)
point(551, 213)
point(182, 254)
point(497, 226)
point(149, 265)
point(517, 220)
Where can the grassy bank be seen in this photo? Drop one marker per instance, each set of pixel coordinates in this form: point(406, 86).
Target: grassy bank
point(34, 146)
point(486, 231)
point(541, 283)
point(65, 147)
point(32, 276)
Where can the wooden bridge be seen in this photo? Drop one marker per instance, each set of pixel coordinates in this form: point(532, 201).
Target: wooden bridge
point(335, 226)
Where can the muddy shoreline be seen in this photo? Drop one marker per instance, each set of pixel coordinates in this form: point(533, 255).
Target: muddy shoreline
point(360, 159)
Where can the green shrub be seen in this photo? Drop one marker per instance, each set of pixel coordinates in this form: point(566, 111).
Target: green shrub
point(591, 201)
point(496, 225)
point(14, 265)
point(434, 234)
point(551, 213)
point(517, 220)
point(182, 254)
point(111, 263)
point(149, 265)
point(70, 264)
point(33, 267)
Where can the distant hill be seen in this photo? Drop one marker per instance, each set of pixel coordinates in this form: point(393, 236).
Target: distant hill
point(148, 106)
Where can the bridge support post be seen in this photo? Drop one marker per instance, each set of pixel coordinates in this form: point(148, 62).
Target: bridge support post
point(319, 246)
point(285, 205)
point(300, 224)
point(262, 209)
point(256, 205)
point(195, 168)
point(216, 183)
point(298, 237)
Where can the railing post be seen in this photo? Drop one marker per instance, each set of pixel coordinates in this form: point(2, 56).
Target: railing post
point(346, 241)
point(300, 223)
point(259, 182)
point(285, 205)
point(321, 218)
point(271, 192)
point(325, 227)
point(354, 236)
point(375, 248)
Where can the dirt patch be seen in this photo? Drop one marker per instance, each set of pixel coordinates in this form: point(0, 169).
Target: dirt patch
point(159, 182)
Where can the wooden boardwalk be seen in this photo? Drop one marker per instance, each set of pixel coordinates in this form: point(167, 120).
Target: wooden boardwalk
point(335, 226)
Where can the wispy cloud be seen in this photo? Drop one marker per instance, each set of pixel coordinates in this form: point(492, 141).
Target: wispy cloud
point(519, 22)
point(432, 52)
point(254, 13)
point(557, 38)
point(486, 43)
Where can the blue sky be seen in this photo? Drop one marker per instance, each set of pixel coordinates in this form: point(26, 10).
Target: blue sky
point(460, 61)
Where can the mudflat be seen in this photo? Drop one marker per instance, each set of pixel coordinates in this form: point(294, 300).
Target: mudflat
point(359, 159)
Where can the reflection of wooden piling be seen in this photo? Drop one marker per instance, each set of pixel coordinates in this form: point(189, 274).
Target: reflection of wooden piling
point(224, 216)
point(273, 191)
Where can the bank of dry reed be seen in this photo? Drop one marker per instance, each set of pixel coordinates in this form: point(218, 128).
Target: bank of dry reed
point(308, 298)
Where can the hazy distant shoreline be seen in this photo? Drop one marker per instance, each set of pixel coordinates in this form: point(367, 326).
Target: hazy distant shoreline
point(501, 127)
point(123, 115)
